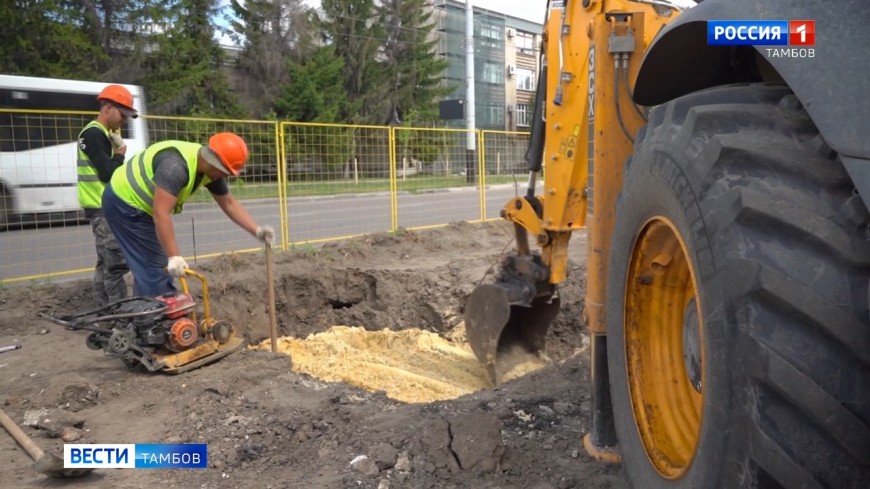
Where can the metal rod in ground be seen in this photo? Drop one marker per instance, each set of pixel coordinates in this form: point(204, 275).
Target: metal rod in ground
point(9, 348)
point(270, 278)
point(193, 232)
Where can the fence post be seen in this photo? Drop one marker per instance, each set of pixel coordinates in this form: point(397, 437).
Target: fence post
point(481, 169)
point(283, 214)
point(394, 185)
point(355, 170)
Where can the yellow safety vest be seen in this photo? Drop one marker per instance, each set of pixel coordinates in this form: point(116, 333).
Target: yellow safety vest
point(90, 188)
point(134, 182)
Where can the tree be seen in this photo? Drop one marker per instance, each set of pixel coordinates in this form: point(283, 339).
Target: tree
point(272, 33)
point(184, 69)
point(316, 90)
point(411, 62)
point(125, 31)
point(46, 38)
point(391, 72)
point(357, 36)
point(316, 93)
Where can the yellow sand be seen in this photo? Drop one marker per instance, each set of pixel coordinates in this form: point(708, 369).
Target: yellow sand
point(410, 365)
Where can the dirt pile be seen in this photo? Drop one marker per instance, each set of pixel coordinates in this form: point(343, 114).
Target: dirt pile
point(270, 427)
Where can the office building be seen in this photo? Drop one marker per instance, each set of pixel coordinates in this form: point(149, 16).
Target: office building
point(506, 63)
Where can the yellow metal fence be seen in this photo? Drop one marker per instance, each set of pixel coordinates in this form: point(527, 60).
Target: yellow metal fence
point(312, 182)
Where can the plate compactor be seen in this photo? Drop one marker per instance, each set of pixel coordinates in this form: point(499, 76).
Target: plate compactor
point(159, 333)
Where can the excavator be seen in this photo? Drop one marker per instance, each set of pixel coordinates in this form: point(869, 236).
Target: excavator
point(724, 191)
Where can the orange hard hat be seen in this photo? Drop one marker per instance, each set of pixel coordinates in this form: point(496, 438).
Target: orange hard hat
point(120, 96)
point(226, 151)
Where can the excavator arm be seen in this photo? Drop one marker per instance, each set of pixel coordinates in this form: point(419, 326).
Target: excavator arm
point(582, 131)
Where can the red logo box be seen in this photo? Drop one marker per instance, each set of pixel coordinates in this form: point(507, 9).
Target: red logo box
point(801, 33)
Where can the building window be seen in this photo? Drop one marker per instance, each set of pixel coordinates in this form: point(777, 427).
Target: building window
point(525, 41)
point(525, 79)
point(492, 115)
point(490, 31)
point(493, 73)
point(523, 115)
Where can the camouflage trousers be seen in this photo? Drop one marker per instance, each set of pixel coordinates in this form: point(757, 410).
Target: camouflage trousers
point(109, 285)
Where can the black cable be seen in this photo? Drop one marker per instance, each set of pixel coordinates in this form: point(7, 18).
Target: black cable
point(616, 103)
point(631, 95)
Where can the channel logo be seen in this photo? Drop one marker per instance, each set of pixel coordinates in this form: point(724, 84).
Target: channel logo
point(135, 456)
point(802, 33)
point(761, 32)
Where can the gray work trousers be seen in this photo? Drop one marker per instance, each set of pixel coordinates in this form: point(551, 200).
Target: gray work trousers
point(109, 285)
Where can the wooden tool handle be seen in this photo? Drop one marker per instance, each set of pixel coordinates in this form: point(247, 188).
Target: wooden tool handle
point(34, 451)
point(270, 278)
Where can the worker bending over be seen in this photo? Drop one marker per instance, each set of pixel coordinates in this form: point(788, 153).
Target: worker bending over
point(153, 185)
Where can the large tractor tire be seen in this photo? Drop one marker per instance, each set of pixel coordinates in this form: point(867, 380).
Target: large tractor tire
point(738, 322)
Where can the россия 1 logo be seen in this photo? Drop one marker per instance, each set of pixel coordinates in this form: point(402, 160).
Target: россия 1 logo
point(799, 35)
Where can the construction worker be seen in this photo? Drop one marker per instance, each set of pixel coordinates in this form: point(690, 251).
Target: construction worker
point(101, 151)
point(154, 184)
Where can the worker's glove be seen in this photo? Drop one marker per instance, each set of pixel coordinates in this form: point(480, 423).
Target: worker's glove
point(176, 266)
point(116, 139)
point(266, 234)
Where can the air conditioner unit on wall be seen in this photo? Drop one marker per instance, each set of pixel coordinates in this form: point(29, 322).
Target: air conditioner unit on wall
point(511, 32)
point(510, 107)
point(512, 70)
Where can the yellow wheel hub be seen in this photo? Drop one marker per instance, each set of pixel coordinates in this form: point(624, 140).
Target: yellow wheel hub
point(663, 342)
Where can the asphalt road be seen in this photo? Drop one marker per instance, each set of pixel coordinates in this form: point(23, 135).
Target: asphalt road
point(203, 230)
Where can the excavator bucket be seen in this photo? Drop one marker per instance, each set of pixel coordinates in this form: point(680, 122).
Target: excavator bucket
point(505, 335)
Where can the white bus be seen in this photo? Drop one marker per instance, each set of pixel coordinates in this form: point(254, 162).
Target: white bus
point(40, 120)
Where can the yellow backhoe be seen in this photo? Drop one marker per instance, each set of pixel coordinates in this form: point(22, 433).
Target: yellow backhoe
point(724, 190)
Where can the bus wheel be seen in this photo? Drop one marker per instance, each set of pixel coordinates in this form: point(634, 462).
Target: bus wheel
point(5, 208)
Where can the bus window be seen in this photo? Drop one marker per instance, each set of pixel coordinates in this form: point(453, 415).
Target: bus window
point(22, 132)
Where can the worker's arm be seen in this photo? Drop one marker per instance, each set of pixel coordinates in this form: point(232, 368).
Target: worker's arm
point(236, 212)
point(164, 202)
point(234, 209)
point(170, 177)
point(96, 145)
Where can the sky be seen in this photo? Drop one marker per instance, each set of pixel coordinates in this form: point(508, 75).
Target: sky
point(532, 10)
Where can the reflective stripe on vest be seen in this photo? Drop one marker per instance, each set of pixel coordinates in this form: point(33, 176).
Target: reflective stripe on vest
point(135, 185)
point(89, 187)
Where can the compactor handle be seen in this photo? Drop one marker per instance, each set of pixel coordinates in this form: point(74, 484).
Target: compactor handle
point(206, 310)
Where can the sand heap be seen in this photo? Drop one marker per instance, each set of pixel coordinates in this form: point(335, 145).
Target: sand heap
point(411, 365)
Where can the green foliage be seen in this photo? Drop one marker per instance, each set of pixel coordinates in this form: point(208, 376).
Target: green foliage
point(315, 92)
point(413, 81)
point(357, 35)
point(47, 38)
point(358, 62)
point(304, 249)
point(184, 69)
point(391, 69)
point(272, 33)
point(427, 146)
